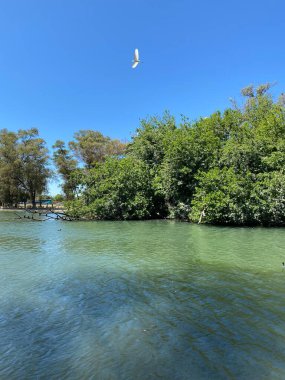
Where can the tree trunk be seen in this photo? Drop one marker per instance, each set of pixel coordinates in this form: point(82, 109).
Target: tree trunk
point(33, 198)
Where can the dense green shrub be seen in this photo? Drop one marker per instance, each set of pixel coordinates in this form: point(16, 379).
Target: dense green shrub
point(222, 195)
point(224, 169)
point(118, 189)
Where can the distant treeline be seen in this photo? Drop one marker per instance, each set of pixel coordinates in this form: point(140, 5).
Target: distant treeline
point(227, 168)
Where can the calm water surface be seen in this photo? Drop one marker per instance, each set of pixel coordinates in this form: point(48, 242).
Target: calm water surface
point(140, 300)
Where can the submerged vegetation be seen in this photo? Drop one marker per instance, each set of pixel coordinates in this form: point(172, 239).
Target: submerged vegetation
point(227, 168)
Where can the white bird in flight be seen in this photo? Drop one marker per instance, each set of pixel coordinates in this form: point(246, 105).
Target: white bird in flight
point(136, 60)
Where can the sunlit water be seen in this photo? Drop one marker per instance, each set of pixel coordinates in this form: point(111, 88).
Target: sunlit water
point(140, 300)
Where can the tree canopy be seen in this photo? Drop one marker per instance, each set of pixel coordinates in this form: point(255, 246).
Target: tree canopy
point(227, 168)
point(24, 167)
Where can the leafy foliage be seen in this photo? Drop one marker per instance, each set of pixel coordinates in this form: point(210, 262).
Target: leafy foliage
point(221, 196)
point(91, 147)
point(226, 168)
point(66, 166)
point(117, 189)
point(23, 165)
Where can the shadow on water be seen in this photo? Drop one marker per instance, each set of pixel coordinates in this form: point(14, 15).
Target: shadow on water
point(91, 308)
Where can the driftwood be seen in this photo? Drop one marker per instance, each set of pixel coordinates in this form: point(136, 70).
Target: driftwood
point(43, 215)
point(202, 216)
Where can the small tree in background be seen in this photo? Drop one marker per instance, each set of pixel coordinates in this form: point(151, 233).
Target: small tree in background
point(23, 164)
point(91, 147)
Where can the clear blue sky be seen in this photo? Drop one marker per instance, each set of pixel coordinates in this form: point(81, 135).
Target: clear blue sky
point(65, 65)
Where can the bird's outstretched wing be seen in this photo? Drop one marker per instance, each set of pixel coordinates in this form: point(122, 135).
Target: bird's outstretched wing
point(136, 56)
point(135, 64)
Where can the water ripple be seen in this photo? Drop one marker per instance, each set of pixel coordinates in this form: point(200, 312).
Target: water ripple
point(147, 300)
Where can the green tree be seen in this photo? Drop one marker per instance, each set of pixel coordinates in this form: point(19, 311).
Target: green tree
point(221, 197)
point(31, 167)
point(23, 164)
point(226, 168)
point(190, 149)
point(9, 191)
point(117, 189)
point(58, 198)
point(150, 139)
point(267, 199)
point(91, 147)
point(66, 166)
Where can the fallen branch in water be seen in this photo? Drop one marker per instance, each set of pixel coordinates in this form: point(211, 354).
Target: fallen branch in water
point(43, 215)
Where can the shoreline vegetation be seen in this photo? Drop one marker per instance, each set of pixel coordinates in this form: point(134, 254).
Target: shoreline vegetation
point(224, 169)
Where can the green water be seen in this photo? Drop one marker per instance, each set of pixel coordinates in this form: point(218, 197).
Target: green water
point(140, 300)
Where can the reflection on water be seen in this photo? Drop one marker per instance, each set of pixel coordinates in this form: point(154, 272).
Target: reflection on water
point(140, 300)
